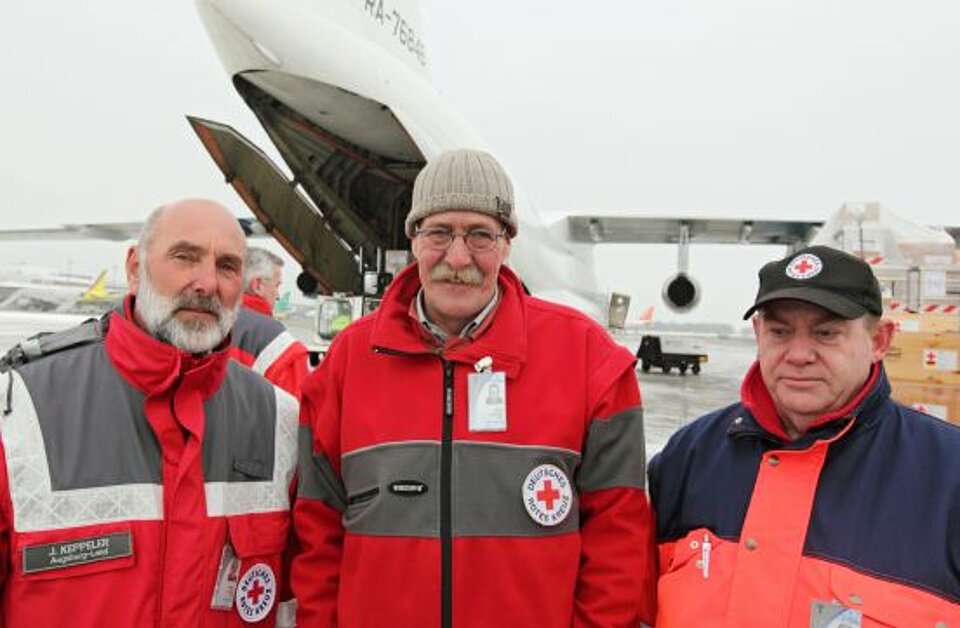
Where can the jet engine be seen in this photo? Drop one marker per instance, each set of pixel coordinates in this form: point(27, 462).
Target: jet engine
point(681, 292)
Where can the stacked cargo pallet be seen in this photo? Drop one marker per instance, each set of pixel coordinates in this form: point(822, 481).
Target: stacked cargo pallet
point(924, 360)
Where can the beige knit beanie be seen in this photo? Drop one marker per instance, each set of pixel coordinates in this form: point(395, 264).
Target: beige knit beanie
point(462, 179)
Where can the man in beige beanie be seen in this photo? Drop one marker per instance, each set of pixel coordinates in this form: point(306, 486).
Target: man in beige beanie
point(471, 455)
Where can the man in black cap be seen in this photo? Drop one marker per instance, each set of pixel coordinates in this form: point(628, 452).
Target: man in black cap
point(816, 500)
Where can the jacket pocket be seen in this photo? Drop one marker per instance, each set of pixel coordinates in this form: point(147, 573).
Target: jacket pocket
point(885, 603)
point(260, 542)
point(696, 572)
point(74, 552)
point(363, 496)
point(261, 534)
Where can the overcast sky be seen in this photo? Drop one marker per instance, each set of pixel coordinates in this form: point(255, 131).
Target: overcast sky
point(740, 108)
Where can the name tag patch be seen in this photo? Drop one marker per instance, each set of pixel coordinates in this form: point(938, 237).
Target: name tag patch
point(84, 551)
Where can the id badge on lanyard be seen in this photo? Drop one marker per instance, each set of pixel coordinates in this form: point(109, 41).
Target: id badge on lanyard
point(487, 398)
point(228, 574)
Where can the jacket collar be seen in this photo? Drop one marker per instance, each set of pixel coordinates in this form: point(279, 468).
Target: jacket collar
point(257, 303)
point(504, 340)
point(152, 366)
point(764, 420)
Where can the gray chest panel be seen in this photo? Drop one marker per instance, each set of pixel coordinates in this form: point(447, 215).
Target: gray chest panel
point(92, 421)
point(238, 444)
point(96, 434)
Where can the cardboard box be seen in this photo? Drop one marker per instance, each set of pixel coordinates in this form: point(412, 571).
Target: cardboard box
point(942, 402)
point(928, 322)
point(924, 358)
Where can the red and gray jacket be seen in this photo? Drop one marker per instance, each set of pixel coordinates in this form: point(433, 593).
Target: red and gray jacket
point(265, 345)
point(858, 520)
point(128, 467)
point(406, 517)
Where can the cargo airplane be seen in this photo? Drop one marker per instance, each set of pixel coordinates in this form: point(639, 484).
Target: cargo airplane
point(342, 89)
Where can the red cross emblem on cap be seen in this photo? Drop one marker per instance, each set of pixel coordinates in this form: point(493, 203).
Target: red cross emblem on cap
point(804, 266)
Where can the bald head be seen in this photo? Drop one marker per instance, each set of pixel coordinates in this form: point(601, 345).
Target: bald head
point(187, 273)
point(196, 210)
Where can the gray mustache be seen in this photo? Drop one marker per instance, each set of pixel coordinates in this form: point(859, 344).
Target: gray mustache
point(470, 275)
point(196, 301)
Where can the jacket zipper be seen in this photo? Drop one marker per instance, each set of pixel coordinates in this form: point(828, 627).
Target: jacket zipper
point(446, 489)
point(446, 501)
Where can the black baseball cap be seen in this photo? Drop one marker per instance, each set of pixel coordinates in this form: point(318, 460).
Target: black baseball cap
point(836, 281)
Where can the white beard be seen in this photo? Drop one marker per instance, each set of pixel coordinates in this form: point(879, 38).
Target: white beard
point(196, 336)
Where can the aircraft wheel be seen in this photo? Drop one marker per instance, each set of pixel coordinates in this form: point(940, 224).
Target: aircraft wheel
point(665, 368)
point(683, 369)
point(696, 369)
point(645, 367)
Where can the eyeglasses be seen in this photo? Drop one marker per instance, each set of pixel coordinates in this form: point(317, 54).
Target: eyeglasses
point(477, 240)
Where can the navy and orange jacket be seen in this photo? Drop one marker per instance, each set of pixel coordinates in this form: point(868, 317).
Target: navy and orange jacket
point(860, 515)
point(126, 468)
point(407, 518)
point(264, 344)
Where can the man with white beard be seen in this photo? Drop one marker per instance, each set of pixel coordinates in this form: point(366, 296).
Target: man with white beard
point(146, 475)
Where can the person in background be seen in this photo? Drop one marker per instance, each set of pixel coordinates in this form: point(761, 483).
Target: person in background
point(816, 500)
point(471, 456)
point(260, 341)
point(145, 475)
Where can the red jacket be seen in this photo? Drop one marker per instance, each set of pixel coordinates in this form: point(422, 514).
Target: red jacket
point(406, 517)
point(128, 467)
point(265, 345)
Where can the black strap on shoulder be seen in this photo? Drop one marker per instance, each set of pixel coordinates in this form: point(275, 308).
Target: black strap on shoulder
point(46, 343)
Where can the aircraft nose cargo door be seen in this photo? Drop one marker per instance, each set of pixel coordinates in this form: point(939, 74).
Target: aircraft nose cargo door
point(353, 167)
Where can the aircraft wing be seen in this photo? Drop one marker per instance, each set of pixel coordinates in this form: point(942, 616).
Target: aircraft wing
point(115, 231)
point(659, 230)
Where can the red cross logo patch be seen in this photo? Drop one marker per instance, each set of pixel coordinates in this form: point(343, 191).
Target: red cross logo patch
point(256, 593)
point(804, 266)
point(547, 495)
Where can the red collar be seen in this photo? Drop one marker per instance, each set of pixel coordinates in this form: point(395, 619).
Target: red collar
point(504, 337)
point(152, 366)
point(257, 303)
point(756, 398)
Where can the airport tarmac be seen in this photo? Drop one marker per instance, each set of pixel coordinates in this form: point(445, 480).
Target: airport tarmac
point(670, 400)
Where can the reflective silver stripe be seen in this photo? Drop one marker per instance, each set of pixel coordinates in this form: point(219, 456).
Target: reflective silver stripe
point(273, 351)
point(406, 443)
point(287, 614)
point(36, 506)
point(614, 453)
point(238, 498)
